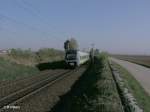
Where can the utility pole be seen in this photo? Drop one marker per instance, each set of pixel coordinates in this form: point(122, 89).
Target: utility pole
point(92, 53)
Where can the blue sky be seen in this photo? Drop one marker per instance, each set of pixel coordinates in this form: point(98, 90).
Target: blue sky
point(116, 26)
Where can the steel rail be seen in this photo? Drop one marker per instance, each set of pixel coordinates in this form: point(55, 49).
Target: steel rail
point(23, 93)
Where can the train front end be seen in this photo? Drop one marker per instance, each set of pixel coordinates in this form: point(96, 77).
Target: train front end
point(71, 58)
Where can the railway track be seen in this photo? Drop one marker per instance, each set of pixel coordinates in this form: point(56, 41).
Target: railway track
point(9, 88)
point(5, 83)
point(35, 86)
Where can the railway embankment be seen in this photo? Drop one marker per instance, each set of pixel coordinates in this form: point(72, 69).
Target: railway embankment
point(40, 92)
point(133, 94)
point(129, 102)
point(44, 100)
point(95, 91)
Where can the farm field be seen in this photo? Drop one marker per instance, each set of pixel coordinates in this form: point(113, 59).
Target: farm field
point(138, 59)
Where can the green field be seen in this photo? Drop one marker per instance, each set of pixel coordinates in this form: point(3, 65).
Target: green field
point(31, 58)
point(19, 63)
point(138, 59)
point(10, 70)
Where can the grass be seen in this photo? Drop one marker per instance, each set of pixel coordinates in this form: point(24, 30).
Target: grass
point(19, 63)
point(93, 92)
point(32, 58)
point(142, 97)
point(141, 60)
point(11, 71)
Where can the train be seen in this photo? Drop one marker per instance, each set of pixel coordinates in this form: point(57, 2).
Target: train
point(75, 58)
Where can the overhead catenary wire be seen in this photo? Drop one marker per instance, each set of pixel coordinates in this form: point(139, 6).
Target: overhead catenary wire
point(46, 34)
point(35, 12)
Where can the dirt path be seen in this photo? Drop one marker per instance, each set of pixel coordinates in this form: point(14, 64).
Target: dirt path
point(141, 73)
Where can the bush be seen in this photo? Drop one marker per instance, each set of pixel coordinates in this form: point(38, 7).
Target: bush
point(11, 71)
point(28, 57)
point(21, 53)
point(50, 54)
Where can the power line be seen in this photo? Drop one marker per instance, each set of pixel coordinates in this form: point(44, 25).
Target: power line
point(36, 12)
point(17, 22)
point(2, 16)
point(28, 7)
point(29, 4)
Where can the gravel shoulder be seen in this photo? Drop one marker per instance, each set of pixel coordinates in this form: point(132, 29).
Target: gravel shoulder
point(141, 73)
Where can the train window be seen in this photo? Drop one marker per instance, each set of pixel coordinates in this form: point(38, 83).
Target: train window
point(83, 57)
